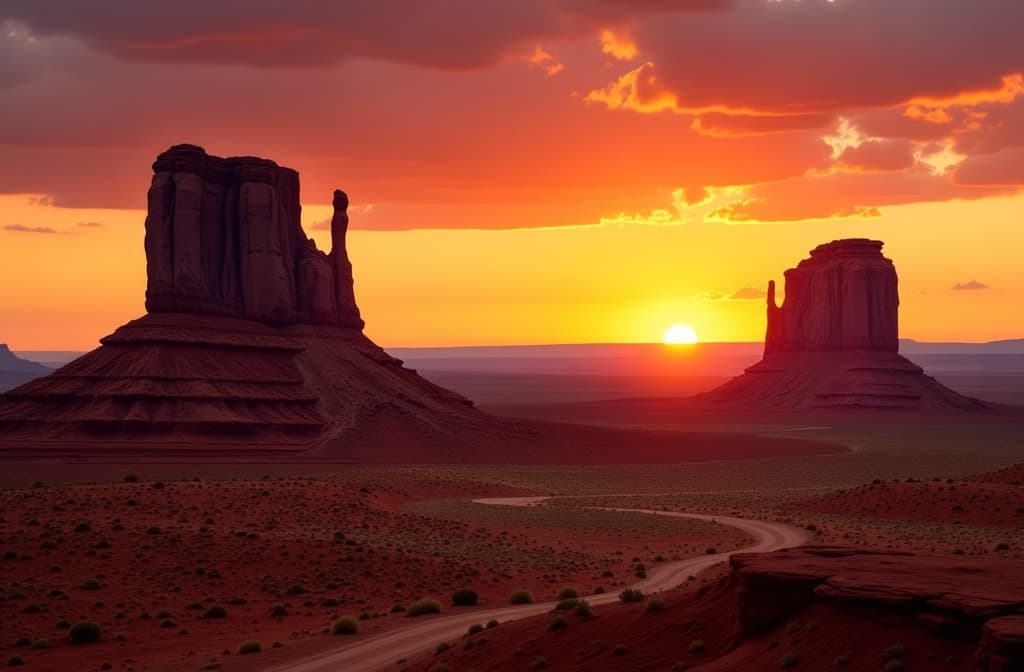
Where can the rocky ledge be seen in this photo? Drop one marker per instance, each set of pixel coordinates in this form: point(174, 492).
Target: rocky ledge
point(976, 599)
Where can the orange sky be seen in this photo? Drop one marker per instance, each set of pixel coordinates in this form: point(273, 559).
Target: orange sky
point(565, 171)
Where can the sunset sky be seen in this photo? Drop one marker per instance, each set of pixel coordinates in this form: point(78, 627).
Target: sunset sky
point(530, 171)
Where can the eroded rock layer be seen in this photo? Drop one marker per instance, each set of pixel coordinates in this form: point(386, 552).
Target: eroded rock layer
point(833, 343)
point(252, 338)
point(974, 599)
point(224, 238)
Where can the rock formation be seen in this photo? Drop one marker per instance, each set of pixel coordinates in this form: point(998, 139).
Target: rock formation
point(844, 297)
point(252, 340)
point(223, 238)
point(972, 599)
point(833, 343)
point(15, 371)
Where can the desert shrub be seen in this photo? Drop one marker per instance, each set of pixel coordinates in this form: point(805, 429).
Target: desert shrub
point(567, 593)
point(346, 625)
point(557, 623)
point(423, 607)
point(83, 527)
point(475, 628)
point(441, 667)
point(89, 584)
point(697, 645)
point(85, 632)
point(582, 609)
point(131, 478)
point(789, 660)
point(41, 643)
point(295, 589)
point(710, 550)
point(15, 661)
point(1002, 546)
point(278, 611)
point(655, 604)
point(894, 651)
point(619, 650)
point(397, 608)
point(194, 606)
point(249, 646)
point(216, 611)
point(894, 665)
point(492, 624)
point(631, 595)
point(521, 596)
point(566, 605)
point(792, 627)
point(539, 663)
point(330, 602)
point(842, 661)
point(465, 597)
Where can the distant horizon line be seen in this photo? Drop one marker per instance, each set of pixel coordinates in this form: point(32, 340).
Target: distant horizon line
point(578, 344)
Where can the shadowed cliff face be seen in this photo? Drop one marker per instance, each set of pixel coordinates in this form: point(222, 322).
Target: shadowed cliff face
point(224, 238)
point(844, 297)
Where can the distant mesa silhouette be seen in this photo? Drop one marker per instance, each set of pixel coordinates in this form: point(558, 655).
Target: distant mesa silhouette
point(14, 371)
point(252, 335)
point(833, 343)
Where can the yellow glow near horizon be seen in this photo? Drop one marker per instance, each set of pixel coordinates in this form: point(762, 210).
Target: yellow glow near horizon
point(680, 334)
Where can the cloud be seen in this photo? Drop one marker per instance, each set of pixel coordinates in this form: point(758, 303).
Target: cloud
point(89, 225)
point(786, 58)
point(21, 228)
point(457, 35)
point(969, 285)
point(323, 225)
point(747, 294)
point(1002, 168)
point(879, 155)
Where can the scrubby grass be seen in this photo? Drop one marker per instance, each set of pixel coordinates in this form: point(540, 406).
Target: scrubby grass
point(85, 632)
point(346, 625)
point(423, 607)
point(465, 597)
point(249, 646)
point(521, 596)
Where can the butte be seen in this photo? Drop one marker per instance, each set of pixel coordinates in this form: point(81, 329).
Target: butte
point(834, 342)
point(252, 338)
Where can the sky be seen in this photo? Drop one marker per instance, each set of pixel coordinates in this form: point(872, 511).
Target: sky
point(530, 171)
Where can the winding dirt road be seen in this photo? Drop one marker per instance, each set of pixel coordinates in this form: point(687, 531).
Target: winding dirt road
point(384, 650)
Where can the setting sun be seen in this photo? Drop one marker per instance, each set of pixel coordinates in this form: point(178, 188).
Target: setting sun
point(680, 334)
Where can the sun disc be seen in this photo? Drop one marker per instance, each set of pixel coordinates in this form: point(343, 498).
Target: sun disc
point(680, 334)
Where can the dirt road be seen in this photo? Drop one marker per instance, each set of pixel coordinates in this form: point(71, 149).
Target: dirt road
point(382, 651)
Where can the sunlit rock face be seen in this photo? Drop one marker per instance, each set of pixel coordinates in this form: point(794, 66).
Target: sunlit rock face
point(224, 239)
point(833, 343)
point(843, 297)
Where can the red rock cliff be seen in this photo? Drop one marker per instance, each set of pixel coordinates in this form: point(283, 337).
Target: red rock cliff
point(223, 238)
point(844, 297)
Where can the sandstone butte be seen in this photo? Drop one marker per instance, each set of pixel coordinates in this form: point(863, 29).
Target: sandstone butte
point(833, 343)
point(252, 337)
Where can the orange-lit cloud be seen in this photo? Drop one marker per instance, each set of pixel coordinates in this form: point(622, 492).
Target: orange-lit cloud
point(620, 47)
point(596, 129)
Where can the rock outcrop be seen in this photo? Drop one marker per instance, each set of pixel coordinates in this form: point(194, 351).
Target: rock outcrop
point(844, 297)
point(972, 599)
point(15, 371)
point(224, 238)
point(253, 340)
point(833, 343)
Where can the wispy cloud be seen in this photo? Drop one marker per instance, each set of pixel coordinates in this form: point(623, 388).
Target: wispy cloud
point(90, 225)
point(969, 285)
point(21, 228)
point(747, 294)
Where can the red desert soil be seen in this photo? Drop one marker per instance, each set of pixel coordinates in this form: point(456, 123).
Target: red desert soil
point(696, 631)
point(812, 608)
point(147, 561)
point(988, 500)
